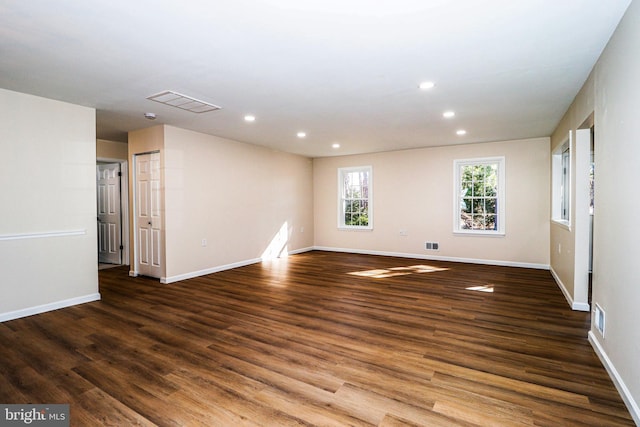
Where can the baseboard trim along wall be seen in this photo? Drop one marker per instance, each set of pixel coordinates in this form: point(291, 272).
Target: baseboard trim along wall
point(217, 269)
point(435, 257)
point(632, 406)
point(30, 311)
point(191, 275)
point(578, 306)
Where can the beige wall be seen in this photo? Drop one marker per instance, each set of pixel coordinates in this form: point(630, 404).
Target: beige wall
point(111, 150)
point(562, 247)
point(413, 191)
point(242, 199)
point(48, 242)
point(612, 93)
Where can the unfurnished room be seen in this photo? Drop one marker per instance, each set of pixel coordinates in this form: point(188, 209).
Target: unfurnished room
point(321, 213)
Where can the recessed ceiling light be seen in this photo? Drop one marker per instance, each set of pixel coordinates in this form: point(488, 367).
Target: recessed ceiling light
point(249, 118)
point(426, 85)
point(335, 145)
point(301, 134)
point(448, 114)
point(461, 132)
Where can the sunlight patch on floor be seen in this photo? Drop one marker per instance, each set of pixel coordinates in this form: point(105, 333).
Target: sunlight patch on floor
point(484, 288)
point(383, 273)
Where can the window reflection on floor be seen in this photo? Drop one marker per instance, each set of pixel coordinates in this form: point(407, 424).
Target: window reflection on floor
point(484, 288)
point(397, 271)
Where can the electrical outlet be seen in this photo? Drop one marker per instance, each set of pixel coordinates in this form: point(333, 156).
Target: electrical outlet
point(204, 242)
point(404, 232)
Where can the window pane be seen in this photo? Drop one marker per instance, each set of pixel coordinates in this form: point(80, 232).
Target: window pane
point(565, 184)
point(478, 222)
point(478, 172)
point(348, 192)
point(490, 206)
point(480, 189)
point(490, 222)
point(465, 206)
point(478, 206)
point(466, 173)
point(466, 222)
point(466, 189)
point(477, 198)
point(354, 193)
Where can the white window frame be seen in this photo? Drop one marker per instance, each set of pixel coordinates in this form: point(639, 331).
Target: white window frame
point(341, 198)
point(561, 160)
point(500, 195)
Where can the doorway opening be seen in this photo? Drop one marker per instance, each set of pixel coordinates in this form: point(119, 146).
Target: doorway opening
point(584, 214)
point(591, 205)
point(112, 212)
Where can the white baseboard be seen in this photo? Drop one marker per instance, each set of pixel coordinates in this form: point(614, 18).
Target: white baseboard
point(243, 263)
point(632, 405)
point(206, 271)
point(301, 250)
point(30, 311)
point(219, 268)
point(577, 306)
point(435, 257)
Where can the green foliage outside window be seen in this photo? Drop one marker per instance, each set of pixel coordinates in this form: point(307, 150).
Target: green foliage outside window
point(356, 212)
point(479, 197)
point(355, 198)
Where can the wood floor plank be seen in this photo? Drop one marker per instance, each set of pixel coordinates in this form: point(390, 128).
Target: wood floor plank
point(374, 406)
point(486, 415)
point(311, 411)
point(95, 407)
point(318, 338)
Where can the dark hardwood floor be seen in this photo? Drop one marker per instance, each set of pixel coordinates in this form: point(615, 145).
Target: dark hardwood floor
point(317, 339)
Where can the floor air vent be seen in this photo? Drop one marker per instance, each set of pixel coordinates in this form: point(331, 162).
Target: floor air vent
point(598, 319)
point(431, 246)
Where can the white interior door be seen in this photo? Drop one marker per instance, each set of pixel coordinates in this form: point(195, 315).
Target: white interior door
point(109, 218)
point(148, 215)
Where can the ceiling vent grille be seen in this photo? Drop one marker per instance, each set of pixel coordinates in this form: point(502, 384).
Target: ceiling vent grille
point(183, 102)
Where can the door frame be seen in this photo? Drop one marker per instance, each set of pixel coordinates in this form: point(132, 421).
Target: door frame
point(133, 267)
point(124, 204)
point(583, 243)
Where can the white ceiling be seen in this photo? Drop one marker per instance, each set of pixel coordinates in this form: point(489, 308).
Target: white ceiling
point(344, 71)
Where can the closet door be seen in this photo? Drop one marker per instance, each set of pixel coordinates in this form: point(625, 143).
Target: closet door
point(148, 215)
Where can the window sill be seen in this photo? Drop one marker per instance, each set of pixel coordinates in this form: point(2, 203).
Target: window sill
point(562, 223)
point(478, 233)
point(355, 228)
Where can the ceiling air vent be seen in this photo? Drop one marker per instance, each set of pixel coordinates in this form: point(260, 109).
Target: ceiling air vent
point(183, 102)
